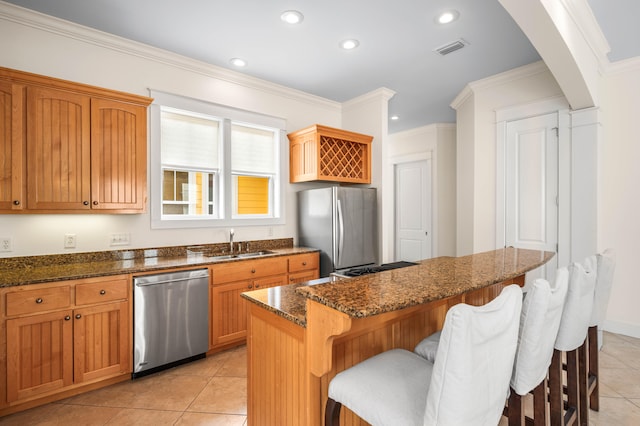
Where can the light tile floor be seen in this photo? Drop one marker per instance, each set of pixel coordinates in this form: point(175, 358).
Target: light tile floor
point(213, 391)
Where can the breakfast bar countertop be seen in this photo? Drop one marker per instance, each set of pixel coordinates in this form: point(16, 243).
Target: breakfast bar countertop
point(429, 280)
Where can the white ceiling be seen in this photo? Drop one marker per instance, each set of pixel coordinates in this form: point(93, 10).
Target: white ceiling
point(397, 42)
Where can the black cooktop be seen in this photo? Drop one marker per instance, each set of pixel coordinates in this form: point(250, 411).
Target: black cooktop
point(365, 270)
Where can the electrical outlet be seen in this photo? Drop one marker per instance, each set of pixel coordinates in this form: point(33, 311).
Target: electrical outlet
point(270, 232)
point(6, 244)
point(69, 240)
point(119, 239)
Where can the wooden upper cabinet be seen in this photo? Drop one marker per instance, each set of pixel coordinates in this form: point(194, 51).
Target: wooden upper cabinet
point(118, 155)
point(12, 147)
point(72, 148)
point(326, 154)
point(58, 149)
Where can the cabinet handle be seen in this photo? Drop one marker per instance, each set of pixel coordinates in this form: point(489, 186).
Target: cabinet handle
point(39, 300)
point(253, 271)
point(16, 202)
point(67, 318)
point(78, 316)
point(102, 292)
point(85, 203)
point(95, 203)
point(304, 263)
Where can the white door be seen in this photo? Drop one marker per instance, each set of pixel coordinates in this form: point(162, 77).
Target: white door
point(531, 216)
point(413, 210)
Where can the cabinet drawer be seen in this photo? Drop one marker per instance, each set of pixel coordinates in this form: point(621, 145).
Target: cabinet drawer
point(38, 300)
point(98, 292)
point(302, 262)
point(248, 269)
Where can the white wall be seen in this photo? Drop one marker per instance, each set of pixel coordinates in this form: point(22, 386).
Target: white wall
point(619, 192)
point(44, 45)
point(476, 110)
point(438, 142)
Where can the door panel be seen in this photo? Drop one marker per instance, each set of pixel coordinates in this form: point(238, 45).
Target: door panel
point(413, 210)
point(532, 187)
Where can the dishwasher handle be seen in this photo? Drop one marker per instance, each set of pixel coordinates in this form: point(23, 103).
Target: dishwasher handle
point(172, 280)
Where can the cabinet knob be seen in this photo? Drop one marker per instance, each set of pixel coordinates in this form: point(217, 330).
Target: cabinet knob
point(257, 285)
point(253, 271)
point(95, 203)
point(16, 202)
point(78, 316)
point(250, 286)
point(102, 292)
point(85, 203)
point(304, 263)
point(39, 300)
point(67, 318)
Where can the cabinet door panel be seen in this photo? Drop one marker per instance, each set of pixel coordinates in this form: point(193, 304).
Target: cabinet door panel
point(229, 312)
point(39, 358)
point(300, 277)
point(119, 155)
point(270, 282)
point(12, 166)
point(58, 148)
point(101, 341)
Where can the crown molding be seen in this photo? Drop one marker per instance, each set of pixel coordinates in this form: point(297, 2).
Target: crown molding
point(382, 93)
point(42, 22)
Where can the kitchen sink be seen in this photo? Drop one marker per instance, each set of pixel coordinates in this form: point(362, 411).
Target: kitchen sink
point(242, 255)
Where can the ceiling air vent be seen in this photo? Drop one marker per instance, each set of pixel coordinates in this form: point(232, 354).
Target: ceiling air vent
point(451, 47)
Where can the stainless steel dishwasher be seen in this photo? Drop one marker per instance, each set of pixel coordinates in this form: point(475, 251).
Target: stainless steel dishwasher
point(171, 319)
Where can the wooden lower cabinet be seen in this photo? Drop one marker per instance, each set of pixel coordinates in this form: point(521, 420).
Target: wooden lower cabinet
point(63, 337)
point(304, 267)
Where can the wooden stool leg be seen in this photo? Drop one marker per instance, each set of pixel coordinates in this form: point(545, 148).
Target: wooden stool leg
point(332, 413)
point(540, 404)
point(573, 397)
point(556, 400)
point(515, 410)
point(583, 384)
point(594, 370)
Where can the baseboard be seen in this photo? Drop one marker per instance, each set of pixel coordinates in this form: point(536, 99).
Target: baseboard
point(631, 330)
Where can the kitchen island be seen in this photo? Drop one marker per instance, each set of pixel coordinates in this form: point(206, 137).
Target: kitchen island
point(300, 336)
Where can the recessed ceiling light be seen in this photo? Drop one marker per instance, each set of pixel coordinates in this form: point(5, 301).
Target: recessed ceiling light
point(238, 62)
point(447, 17)
point(349, 44)
point(292, 16)
point(395, 117)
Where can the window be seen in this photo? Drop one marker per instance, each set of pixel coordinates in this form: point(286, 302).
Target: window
point(213, 165)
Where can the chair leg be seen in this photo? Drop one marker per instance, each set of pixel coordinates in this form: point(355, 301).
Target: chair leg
point(540, 404)
point(556, 399)
point(583, 394)
point(515, 410)
point(332, 413)
point(573, 397)
point(594, 370)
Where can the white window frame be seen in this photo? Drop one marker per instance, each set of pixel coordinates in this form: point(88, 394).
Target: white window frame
point(277, 210)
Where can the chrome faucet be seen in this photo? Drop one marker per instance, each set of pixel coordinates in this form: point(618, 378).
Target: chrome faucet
point(231, 240)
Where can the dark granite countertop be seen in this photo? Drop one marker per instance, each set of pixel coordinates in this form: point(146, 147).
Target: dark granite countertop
point(430, 280)
point(27, 270)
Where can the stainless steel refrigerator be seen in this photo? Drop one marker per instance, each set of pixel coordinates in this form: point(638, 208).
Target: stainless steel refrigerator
point(342, 223)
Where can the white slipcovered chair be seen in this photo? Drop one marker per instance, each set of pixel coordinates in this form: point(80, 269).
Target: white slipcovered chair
point(606, 264)
point(539, 323)
point(467, 384)
point(572, 334)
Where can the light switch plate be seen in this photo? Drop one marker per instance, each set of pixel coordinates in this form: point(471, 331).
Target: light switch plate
point(69, 240)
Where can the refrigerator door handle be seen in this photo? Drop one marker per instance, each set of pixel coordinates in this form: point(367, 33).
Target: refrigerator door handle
point(340, 233)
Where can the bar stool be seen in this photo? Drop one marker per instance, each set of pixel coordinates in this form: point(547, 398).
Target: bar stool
point(539, 323)
point(606, 264)
point(467, 384)
point(571, 337)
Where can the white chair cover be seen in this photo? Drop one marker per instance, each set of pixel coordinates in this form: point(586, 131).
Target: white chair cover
point(606, 266)
point(470, 379)
point(539, 323)
point(578, 305)
point(428, 347)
